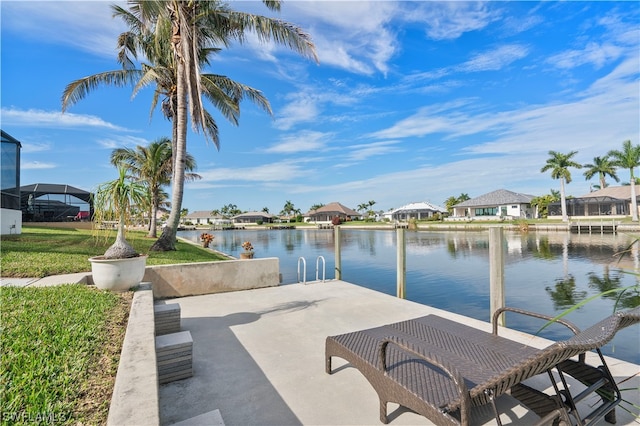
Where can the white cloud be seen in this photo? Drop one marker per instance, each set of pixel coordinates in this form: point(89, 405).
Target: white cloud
point(350, 35)
point(284, 171)
point(301, 142)
point(577, 123)
point(31, 147)
point(36, 165)
point(87, 25)
point(593, 54)
point(449, 20)
point(122, 142)
point(302, 108)
point(52, 119)
point(494, 59)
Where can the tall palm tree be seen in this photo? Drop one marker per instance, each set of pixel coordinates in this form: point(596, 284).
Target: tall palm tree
point(150, 35)
point(628, 158)
point(152, 164)
point(602, 166)
point(197, 25)
point(288, 209)
point(559, 165)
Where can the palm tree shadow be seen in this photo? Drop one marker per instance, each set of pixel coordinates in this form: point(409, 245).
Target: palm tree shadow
point(226, 376)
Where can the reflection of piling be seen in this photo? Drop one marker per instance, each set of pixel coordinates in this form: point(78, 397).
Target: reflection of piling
point(337, 255)
point(401, 264)
point(496, 271)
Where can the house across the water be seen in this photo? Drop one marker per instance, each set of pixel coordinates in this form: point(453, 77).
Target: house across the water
point(500, 204)
point(612, 201)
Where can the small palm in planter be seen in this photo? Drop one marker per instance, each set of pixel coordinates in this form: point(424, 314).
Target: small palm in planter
point(121, 267)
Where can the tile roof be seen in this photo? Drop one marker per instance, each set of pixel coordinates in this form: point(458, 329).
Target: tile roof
point(335, 207)
point(420, 206)
point(254, 214)
point(619, 192)
point(200, 214)
point(497, 198)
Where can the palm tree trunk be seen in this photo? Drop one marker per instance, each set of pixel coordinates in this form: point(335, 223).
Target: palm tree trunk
point(563, 201)
point(167, 240)
point(120, 249)
point(634, 201)
point(152, 219)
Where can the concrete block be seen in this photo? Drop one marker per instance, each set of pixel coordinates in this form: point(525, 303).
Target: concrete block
point(174, 356)
point(167, 318)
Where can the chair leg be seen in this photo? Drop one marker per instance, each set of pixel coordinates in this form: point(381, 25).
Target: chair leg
point(383, 412)
point(610, 417)
point(489, 393)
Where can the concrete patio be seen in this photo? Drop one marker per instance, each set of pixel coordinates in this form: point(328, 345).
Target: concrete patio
point(258, 359)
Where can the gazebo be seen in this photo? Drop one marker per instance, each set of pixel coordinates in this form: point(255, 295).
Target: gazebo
point(48, 202)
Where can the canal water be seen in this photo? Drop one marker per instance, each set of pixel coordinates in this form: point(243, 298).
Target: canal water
point(544, 272)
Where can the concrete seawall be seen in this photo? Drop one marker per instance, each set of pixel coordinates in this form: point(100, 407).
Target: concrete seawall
point(191, 279)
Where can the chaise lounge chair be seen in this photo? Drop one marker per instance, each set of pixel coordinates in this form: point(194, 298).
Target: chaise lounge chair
point(441, 369)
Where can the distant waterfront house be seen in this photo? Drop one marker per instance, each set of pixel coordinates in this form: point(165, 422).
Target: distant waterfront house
point(612, 201)
point(254, 217)
point(331, 210)
point(422, 210)
point(499, 204)
point(200, 217)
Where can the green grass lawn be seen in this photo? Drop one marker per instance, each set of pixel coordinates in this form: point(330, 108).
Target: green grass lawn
point(60, 351)
point(40, 252)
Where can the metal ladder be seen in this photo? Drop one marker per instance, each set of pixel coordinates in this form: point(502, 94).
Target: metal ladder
point(303, 261)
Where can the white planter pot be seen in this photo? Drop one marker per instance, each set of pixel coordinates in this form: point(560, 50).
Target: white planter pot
point(117, 274)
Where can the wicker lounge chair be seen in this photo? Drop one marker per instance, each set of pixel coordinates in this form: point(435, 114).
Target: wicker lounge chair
point(441, 369)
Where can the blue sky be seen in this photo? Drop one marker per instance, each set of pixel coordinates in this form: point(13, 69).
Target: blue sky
point(411, 101)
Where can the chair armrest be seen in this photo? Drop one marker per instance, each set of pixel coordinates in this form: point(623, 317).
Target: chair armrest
point(448, 369)
point(494, 321)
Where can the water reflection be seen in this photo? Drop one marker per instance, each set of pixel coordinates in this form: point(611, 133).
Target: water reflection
point(544, 272)
point(565, 294)
point(630, 298)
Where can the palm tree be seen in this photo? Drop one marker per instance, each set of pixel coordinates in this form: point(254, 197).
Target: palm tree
point(541, 203)
point(115, 200)
point(154, 42)
point(197, 25)
point(559, 165)
point(287, 209)
point(628, 158)
point(153, 165)
point(450, 202)
point(602, 166)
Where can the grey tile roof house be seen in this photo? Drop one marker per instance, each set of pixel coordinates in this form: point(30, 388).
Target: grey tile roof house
point(254, 217)
point(499, 204)
point(331, 210)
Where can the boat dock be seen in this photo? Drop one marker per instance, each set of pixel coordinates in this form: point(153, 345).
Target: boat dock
point(258, 359)
point(597, 226)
